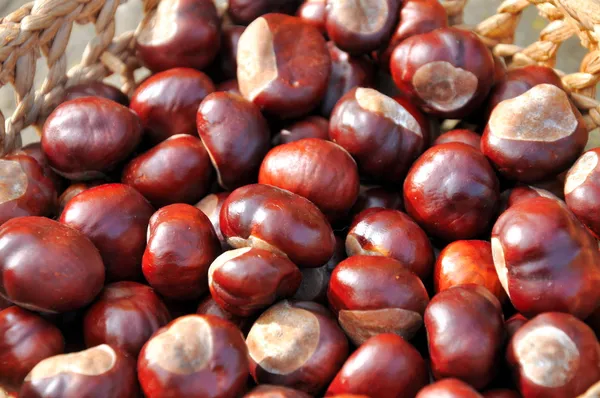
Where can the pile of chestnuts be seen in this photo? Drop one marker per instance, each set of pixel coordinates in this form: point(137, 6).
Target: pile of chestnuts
point(328, 198)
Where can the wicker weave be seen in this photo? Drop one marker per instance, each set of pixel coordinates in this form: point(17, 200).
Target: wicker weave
point(44, 26)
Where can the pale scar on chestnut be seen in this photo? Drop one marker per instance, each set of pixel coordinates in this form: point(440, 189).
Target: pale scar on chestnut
point(161, 27)
point(500, 264)
point(580, 171)
point(223, 258)
point(361, 325)
point(13, 181)
point(208, 204)
point(361, 16)
point(374, 101)
point(283, 338)
point(92, 362)
point(542, 114)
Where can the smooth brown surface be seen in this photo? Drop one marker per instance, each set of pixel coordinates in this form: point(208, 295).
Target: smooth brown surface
point(582, 190)
point(448, 388)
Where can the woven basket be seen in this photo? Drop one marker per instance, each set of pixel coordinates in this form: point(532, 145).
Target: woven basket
point(43, 28)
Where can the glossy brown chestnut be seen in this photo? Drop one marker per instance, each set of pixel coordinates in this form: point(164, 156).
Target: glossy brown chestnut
point(448, 72)
point(448, 388)
point(465, 136)
point(166, 102)
point(98, 372)
point(347, 72)
point(385, 366)
point(554, 355)
point(25, 340)
point(313, 13)
point(177, 170)
point(96, 89)
point(271, 218)
point(114, 217)
point(452, 192)
point(391, 233)
point(501, 393)
point(520, 193)
point(34, 150)
point(209, 306)
point(211, 207)
point(385, 135)
point(545, 259)
point(375, 196)
point(534, 136)
point(309, 127)
point(181, 33)
point(236, 145)
point(180, 271)
point(86, 137)
point(283, 65)
point(74, 190)
point(69, 277)
point(25, 190)
point(229, 86)
point(194, 356)
point(297, 345)
point(372, 295)
point(582, 190)
point(246, 11)
point(465, 334)
point(464, 262)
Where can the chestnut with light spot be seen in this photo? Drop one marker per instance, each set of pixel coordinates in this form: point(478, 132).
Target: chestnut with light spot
point(449, 388)
point(582, 190)
point(99, 372)
point(371, 295)
point(297, 345)
point(211, 207)
point(313, 13)
point(309, 127)
point(96, 89)
point(246, 11)
point(545, 258)
point(534, 136)
point(271, 391)
point(194, 356)
point(448, 72)
point(283, 65)
point(465, 136)
point(385, 135)
point(554, 355)
point(181, 33)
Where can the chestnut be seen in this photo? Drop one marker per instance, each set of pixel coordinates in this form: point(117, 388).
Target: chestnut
point(85, 138)
point(465, 136)
point(180, 271)
point(26, 191)
point(468, 347)
point(114, 217)
point(374, 196)
point(297, 345)
point(347, 72)
point(96, 89)
point(124, 315)
point(74, 190)
point(270, 391)
point(25, 340)
point(209, 306)
point(166, 102)
point(313, 13)
point(236, 145)
point(554, 355)
point(523, 192)
point(385, 135)
point(372, 295)
point(34, 150)
point(271, 218)
point(447, 72)
point(230, 86)
point(246, 11)
point(534, 136)
point(464, 262)
point(514, 323)
point(448, 388)
point(545, 259)
point(194, 356)
point(181, 33)
point(283, 65)
point(309, 127)
point(98, 372)
point(452, 192)
point(211, 207)
point(385, 366)
point(582, 190)
point(70, 275)
point(177, 170)
point(592, 392)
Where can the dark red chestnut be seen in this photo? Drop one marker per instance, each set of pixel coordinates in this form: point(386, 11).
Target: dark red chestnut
point(35, 151)
point(25, 340)
point(96, 89)
point(211, 207)
point(246, 11)
point(534, 136)
point(309, 127)
point(180, 271)
point(297, 345)
point(375, 196)
point(383, 134)
point(177, 170)
point(194, 356)
point(87, 137)
point(385, 366)
point(582, 190)
point(523, 192)
point(554, 355)
point(313, 13)
point(270, 391)
point(124, 316)
point(74, 190)
point(46, 266)
point(283, 65)
point(114, 217)
point(448, 388)
point(209, 306)
point(372, 295)
point(229, 86)
point(465, 136)
point(236, 145)
point(167, 102)
point(271, 218)
point(181, 33)
point(465, 334)
point(545, 259)
point(448, 72)
point(97, 372)
point(452, 192)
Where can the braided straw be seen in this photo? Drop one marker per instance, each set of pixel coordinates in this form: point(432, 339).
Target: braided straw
point(43, 28)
